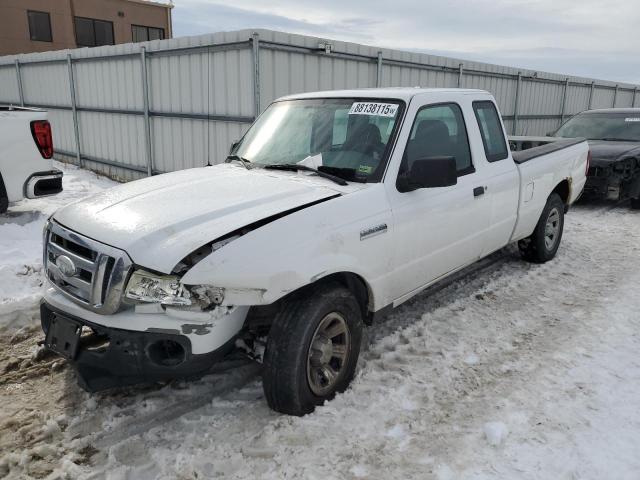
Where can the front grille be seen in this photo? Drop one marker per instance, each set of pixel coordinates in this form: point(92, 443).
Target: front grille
point(85, 271)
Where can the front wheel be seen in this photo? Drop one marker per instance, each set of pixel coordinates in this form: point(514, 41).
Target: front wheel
point(312, 350)
point(635, 203)
point(542, 245)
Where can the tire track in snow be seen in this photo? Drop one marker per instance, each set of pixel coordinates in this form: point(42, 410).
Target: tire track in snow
point(217, 385)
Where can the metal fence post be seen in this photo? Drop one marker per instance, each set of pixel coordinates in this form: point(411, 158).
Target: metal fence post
point(564, 100)
point(145, 103)
point(515, 104)
point(615, 96)
point(593, 86)
point(74, 110)
point(379, 70)
point(255, 43)
point(460, 74)
point(19, 78)
point(635, 93)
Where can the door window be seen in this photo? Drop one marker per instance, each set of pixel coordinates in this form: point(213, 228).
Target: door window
point(495, 146)
point(439, 130)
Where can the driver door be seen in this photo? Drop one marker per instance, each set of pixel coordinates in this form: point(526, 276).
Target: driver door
point(436, 230)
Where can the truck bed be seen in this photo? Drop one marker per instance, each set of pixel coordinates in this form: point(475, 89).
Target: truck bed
point(557, 162)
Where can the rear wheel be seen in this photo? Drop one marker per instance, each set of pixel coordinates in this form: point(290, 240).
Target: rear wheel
point(635, 203)
point(312, 350)
point(542, 245)
point(4, 200)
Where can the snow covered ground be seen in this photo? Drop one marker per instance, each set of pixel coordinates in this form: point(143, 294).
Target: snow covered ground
point(21, 276)
point(512, 371)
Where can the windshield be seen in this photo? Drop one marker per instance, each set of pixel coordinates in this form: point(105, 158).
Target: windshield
point(603, 126)
point(347, 137)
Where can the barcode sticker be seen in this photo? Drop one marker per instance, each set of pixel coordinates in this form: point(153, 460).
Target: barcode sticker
point(374, 108)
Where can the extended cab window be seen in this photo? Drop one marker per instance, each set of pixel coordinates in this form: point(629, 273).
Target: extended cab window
point(495, 146)
point(439, 130)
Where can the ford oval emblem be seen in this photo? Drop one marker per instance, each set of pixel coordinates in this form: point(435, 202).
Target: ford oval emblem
point(66, 266)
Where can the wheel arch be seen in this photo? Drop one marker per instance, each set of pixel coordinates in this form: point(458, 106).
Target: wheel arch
point(356, 284)
point(563, 190)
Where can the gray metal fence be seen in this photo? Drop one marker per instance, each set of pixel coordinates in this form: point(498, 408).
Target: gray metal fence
point(137, 109)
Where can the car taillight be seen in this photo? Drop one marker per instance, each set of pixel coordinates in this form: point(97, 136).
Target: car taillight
point(588, 163)
point(41, 131)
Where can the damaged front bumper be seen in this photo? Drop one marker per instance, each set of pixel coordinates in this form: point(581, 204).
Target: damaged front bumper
point(105, 355)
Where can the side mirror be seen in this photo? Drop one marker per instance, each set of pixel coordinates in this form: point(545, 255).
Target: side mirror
point(429, 172)
point(234, 145)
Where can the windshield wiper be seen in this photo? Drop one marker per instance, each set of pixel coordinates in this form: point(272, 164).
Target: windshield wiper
point(245, 163)
point(349, 174)
point(295, 167)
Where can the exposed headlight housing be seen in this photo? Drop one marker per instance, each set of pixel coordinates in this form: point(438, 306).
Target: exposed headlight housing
point(149, 287)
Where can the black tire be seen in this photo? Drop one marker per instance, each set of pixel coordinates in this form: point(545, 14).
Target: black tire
point(4, 200)
point(539, 247)
point(635, 203)
point(287, 368)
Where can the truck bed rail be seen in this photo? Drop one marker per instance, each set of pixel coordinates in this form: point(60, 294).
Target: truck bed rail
point(523, 156)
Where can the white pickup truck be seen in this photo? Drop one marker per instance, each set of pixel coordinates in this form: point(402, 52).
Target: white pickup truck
point(26, 148)
point(334, 208)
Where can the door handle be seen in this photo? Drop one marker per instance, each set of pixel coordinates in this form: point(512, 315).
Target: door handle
point(478, 191)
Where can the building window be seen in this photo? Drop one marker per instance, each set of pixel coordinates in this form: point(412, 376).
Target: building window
point(140, 33)
point(39, 26)
point(93, 33)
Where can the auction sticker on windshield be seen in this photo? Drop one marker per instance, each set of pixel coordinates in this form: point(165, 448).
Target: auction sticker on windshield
point(374, 108)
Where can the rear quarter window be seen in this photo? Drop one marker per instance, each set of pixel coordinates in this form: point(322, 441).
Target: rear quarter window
point(495, 145)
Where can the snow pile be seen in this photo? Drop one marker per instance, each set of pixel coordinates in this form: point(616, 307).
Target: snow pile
point(20, 266)
point(21, 276)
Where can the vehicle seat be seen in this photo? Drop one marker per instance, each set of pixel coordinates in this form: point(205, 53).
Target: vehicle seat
point(365, 139)
point(432, 139)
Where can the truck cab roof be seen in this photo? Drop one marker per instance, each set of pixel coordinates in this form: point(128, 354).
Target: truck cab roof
point(400, 93)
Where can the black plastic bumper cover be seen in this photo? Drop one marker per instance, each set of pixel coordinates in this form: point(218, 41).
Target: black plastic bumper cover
point(44, 183)
point(124, 357)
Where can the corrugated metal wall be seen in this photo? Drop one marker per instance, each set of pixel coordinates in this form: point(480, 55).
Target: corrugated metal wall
point(172, 104)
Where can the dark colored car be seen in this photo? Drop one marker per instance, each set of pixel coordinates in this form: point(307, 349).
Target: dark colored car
point(614, 140)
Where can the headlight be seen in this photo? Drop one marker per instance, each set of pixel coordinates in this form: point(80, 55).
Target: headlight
point(148, 287)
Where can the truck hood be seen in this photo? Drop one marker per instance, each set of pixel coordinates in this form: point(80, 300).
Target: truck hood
point(605, 152)
point(160, 220)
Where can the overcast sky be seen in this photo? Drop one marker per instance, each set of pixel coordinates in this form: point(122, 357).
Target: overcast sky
point(591, 38)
